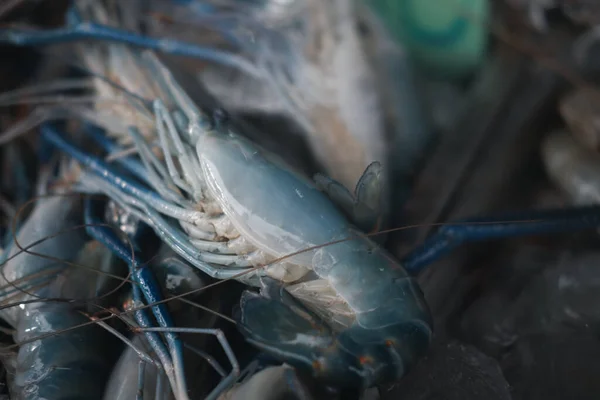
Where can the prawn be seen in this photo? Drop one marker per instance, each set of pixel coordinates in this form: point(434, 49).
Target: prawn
point(77, 363)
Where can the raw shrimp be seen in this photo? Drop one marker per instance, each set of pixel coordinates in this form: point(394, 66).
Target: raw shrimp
point(73, 364)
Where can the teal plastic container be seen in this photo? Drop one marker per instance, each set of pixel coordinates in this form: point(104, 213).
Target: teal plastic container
point(446, 38)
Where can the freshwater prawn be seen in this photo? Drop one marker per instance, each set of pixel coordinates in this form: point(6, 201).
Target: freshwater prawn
point(75, 364)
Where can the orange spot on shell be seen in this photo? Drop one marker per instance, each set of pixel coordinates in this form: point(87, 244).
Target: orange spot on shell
point(365, 359)
point(377, 226)
point(162, 17)
point(94, 245)
point(317, 365)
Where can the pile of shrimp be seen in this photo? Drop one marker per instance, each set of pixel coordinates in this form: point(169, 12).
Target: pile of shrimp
point(162, 231)
point(155, 247)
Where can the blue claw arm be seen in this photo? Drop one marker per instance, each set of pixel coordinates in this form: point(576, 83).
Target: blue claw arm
point(527, 223)
point(79, 30)
point(146, 283)
point(132, 165)
point(108, 238)
point(53, 136)
point(144, 276)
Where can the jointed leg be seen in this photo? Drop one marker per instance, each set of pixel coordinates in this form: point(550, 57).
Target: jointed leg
point(191, 175)
point(230, 379)
point(148, 288)
point(150, 197)
point(158, 177)
point(174, 237)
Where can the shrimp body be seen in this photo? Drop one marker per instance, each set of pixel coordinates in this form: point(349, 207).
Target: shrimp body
point(282, 213)
point(286, 215)
point(73, 364)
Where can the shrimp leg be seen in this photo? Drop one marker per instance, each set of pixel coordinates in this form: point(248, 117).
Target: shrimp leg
point(230, 379)
point(162, 115)
point(150, 200)
point(132, 165)
point(142, 171)
point(172, 236)
point(524, 223)
point(148, 287)
point(132, 188)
